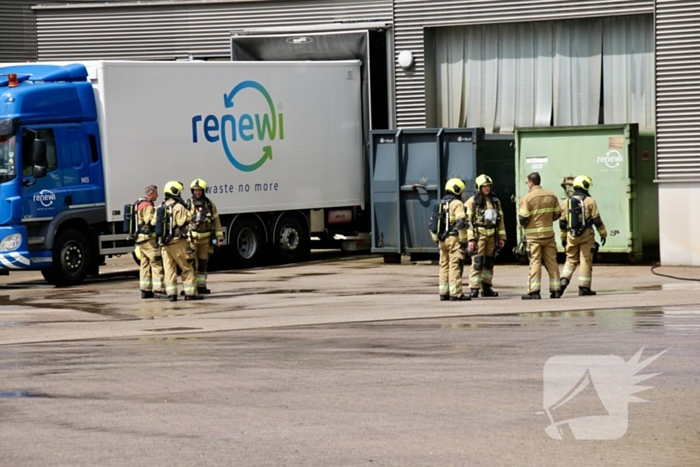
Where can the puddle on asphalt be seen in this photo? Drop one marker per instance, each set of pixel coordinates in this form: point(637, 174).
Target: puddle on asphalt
point(653, 317)
point(312, 274)
point(20, 394)
point(640, 318)
point(280, 291)
point(87, 307)
point(672, 286)
point(9, 324)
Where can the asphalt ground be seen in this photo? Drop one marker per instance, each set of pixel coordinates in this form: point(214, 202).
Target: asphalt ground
point(345, 360)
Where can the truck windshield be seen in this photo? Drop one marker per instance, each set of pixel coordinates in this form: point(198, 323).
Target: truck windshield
point(7, 158)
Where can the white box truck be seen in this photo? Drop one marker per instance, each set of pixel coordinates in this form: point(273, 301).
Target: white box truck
point(279, 144)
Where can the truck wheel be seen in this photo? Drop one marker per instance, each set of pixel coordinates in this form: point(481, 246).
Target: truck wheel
point(291, 238)
point(71, 259)
point(246, 239)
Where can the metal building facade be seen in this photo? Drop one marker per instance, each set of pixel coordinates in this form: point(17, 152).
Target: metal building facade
point(411, 17)
point(18, 32)
point(155, 30)
point(677, 133)
point(678, 89)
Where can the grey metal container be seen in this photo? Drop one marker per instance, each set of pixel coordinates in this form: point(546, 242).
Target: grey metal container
point(408, 171)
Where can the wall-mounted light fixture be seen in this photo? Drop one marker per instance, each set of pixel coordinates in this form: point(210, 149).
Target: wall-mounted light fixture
point(406, 59)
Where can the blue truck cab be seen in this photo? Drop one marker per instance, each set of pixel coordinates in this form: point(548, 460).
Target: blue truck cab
point(52, 194)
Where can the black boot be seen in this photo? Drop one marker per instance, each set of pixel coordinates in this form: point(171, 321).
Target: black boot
point(532, 296)
point(556, 294)
point(203, 291)
point(194, 297)
point(172, 298)
point(583, 291)
point(146, 294)
point(474, 293)
point(444, 298)
point(487, 291)
point(461, 298)
point(564, 283)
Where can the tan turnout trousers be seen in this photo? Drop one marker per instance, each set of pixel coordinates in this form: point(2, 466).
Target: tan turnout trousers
point(151, 271)
point(202, 251)
point(174, 255)
point(543, 251)
point(486, 248)
point(451, 267)
point(580, 250)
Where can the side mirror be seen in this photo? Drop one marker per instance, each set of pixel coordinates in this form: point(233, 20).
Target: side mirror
point(39, 152)
point(39, 171)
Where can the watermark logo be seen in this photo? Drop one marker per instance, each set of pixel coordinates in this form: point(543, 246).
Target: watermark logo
point(45, 198)
point(240, 127)
point(586, 397)
point(612, 159)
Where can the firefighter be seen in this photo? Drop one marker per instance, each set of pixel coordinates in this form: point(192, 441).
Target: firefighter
point(204, 231)
point(174, 243)
point(151, 272)
point(487, 232)
point(579, 215)
point(451, 235)
point(537, 213)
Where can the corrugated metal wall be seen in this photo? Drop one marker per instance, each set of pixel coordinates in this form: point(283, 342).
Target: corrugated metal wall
point(678, 90)
point(177, 29)
point(18, 28)
point(18, 31)
point(411, 16)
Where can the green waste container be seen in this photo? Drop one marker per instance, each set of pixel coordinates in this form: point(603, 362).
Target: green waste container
point(620, 161)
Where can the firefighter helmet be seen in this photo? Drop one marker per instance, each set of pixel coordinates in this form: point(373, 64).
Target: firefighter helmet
point(482, 180)
point(455, 186)
point(173, 188)
point(583, 181)
point(198, 183)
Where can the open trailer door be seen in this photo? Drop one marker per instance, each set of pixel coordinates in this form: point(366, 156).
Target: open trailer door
point(371, 43)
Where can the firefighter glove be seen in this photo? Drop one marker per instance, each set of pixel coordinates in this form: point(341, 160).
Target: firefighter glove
point(602, 240)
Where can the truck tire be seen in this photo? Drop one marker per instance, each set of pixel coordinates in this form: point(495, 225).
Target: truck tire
point(246, 240)
point(71, 259)
point(291, 239)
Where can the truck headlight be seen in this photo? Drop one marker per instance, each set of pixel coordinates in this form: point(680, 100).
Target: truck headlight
point(11, 242)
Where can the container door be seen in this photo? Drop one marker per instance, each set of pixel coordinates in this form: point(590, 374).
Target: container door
point(419, 185)
point(384, 187)
point(602, 152)
point(428, 159)
point(409, 169)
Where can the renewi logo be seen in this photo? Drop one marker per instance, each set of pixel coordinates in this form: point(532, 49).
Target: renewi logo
point(45, 197)
point(232, 127)
point(612, 159)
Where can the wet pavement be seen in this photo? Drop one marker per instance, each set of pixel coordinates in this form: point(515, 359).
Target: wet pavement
point(346, 361)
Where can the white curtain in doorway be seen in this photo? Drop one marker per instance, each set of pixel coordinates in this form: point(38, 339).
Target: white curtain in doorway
point(494, 77)
point(628, 71)
point(502, 77)
point(577, 72)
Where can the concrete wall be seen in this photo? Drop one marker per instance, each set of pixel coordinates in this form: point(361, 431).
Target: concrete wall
point(679, 224)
